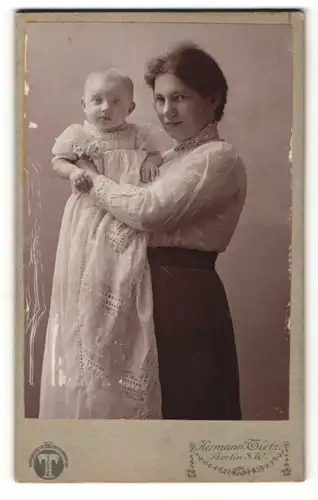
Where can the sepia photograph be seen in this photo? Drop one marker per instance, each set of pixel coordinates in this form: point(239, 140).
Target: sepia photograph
point(157, 220)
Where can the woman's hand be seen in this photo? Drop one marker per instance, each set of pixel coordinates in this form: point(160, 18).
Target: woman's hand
point(149, 170)
point(148, 173)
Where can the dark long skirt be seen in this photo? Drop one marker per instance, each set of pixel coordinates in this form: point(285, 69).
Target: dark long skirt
point(196, 347)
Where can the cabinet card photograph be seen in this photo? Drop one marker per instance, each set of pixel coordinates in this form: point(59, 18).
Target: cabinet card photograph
point(159, 236)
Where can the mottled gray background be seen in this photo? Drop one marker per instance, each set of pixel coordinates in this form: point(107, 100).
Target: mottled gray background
point(257, 61)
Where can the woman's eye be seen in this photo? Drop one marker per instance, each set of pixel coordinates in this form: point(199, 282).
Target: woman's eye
point(159, 99)
point(180, 97)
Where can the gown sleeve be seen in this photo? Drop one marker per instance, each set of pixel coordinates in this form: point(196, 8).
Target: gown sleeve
point(204, 179)
point(71, 144)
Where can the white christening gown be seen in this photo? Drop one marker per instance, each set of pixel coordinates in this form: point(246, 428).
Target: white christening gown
point(100, 359)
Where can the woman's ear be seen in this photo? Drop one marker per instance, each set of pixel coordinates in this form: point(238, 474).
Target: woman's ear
point(215, 101)
point(132, 107)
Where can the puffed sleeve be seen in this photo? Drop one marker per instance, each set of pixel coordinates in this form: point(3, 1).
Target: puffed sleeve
point(71, 144)
point(207, 178)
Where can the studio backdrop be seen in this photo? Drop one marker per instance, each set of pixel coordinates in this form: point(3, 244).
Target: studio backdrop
point(257, 62)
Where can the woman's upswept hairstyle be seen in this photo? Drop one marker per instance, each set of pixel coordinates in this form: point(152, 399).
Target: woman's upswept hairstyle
point(194, 67)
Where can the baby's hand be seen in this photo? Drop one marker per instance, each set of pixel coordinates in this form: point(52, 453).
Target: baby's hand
point(150, 168)
point(80, 181)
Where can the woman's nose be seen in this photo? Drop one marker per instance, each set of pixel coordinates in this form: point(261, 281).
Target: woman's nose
point(168, 109)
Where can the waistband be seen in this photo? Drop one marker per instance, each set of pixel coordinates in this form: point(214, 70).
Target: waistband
point(182, 257)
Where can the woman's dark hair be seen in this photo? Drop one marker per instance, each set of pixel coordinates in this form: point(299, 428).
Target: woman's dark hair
point(196, 68)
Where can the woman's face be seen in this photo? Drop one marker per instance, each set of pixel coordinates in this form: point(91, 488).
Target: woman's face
point(182, 111)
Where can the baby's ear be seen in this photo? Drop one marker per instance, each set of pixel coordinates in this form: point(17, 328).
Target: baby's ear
point(83, 102)
point(132, 107)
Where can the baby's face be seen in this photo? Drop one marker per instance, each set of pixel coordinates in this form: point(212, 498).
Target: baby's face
point(107, 102)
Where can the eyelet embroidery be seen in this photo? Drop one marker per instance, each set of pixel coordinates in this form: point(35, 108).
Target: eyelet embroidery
point(119, 236)
point(136, 388)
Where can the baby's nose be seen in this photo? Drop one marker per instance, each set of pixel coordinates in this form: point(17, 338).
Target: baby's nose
point(104, 106)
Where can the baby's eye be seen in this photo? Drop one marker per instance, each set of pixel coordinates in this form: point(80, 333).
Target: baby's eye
point(97, 100)
point(116, 101)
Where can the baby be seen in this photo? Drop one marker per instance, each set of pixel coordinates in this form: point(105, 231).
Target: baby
point(107, 101)
point(100, 357)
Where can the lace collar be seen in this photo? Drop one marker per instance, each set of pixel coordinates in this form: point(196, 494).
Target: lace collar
point(208, 133)
point(115, 132)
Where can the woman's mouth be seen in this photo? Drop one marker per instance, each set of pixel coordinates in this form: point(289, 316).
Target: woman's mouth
point(172, 124)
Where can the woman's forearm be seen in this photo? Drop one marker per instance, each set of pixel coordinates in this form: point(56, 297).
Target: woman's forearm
point(202, 181)
point(64, 168)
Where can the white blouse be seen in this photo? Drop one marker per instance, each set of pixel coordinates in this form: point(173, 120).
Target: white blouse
point(195, 203)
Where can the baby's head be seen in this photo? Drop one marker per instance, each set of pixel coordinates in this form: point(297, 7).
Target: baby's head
point(108, 98)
